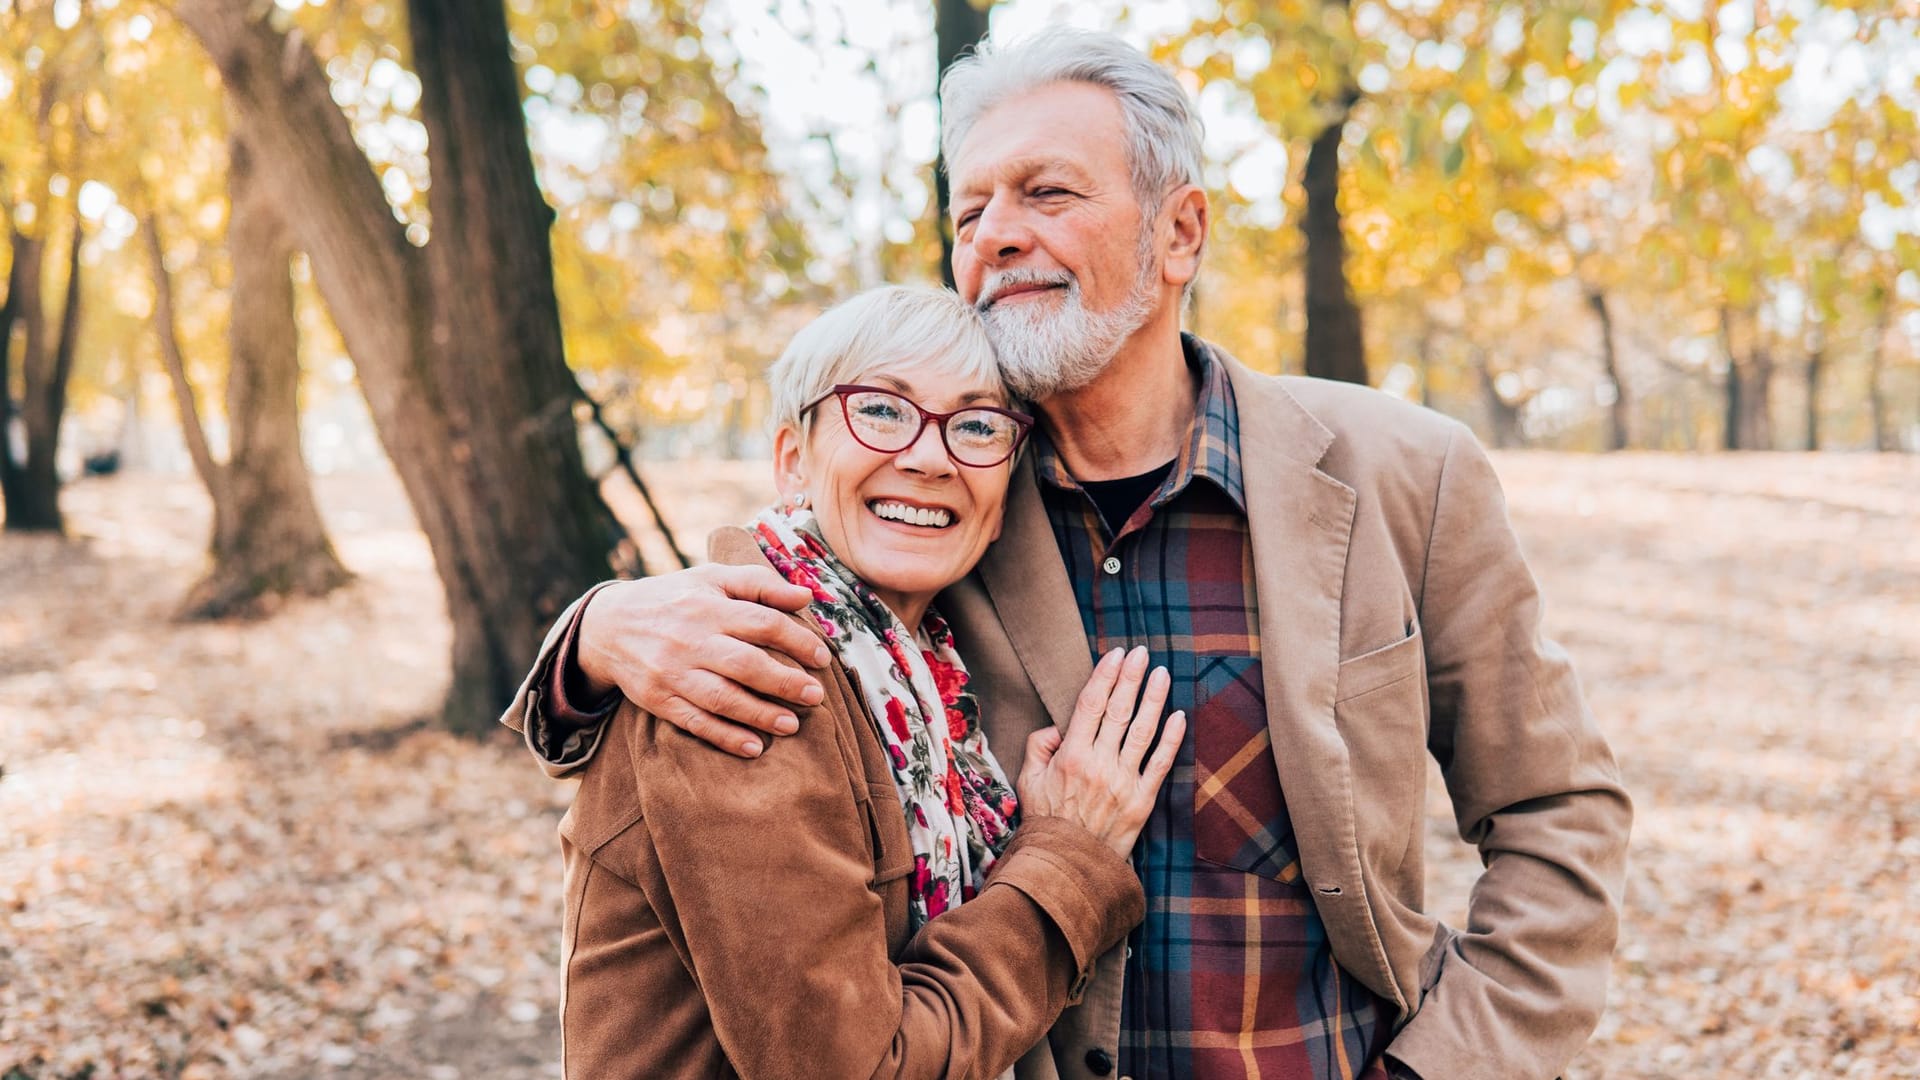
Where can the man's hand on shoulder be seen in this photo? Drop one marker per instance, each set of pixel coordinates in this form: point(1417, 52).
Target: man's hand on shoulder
point(694, 648)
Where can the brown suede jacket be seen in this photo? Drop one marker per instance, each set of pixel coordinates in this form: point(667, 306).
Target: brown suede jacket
point(749, 918)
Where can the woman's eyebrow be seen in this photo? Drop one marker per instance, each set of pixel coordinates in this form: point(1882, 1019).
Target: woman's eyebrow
point(906, 390)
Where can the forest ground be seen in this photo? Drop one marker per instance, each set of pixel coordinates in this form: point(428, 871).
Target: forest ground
point(238, 850)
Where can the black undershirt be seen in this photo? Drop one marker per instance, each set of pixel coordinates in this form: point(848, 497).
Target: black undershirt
point(1118, 499)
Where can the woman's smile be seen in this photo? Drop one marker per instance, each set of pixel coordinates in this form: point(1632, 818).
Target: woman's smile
point(919, 517)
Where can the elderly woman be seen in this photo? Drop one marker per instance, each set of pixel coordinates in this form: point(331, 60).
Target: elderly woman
point(859, 901)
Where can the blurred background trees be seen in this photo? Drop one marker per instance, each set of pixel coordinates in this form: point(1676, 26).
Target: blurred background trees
point(420, 232)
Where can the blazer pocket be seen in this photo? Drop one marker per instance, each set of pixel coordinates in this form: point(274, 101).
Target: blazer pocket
point(887, 825)
point(1382, 667)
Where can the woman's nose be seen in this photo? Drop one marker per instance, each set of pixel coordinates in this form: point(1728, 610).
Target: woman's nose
point(927, 454)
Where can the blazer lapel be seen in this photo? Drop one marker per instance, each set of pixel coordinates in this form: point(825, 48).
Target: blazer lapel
point(1028, 584)
point(1302, 520)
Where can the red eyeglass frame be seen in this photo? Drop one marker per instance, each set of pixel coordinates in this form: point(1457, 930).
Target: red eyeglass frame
point(927, 416)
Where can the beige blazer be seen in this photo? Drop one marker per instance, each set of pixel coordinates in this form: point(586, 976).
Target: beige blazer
point(1401, 620)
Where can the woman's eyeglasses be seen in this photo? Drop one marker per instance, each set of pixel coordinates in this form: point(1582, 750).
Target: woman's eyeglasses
point(979, 436)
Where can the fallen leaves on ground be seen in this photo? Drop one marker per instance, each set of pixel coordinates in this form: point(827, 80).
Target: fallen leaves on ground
point(237, 849)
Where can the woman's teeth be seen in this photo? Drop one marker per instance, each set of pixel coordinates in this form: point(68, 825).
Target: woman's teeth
point(912, 515)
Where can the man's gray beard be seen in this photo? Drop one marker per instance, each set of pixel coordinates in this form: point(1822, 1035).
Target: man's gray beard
point(1043, 353)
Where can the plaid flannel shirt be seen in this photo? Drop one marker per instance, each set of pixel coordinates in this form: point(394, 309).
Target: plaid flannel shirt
point(1231, 974)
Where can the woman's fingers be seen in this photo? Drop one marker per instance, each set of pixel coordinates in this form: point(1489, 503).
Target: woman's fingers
point(1035, 795)
point(1161, 763)
point(1146, 720)
point(1093, 699)
point(1119, 710)
point(1040, 748)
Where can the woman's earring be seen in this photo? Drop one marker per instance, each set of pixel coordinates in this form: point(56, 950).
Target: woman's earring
point(798, 500)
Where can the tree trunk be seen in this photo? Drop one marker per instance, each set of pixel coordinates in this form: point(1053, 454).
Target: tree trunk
point(166, 328)
point(1816, 363)
point(1757, 397)
point(1883, 434)
point(958, 25)
point(1620, 411)
point(1502, 416)
point(1734, 435)
point(457, 344)
point(1731, 435)
point(1423, 353)
point(33, 501)
point(22, 285)
point(268, 539)
point(1334, 346)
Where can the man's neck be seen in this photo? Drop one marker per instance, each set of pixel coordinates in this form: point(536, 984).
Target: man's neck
point(1135, 416)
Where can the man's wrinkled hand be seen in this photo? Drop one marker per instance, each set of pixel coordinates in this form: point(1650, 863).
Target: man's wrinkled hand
point(706, 650)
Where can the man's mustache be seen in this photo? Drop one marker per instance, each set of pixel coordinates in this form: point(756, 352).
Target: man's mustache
point(1001, 283)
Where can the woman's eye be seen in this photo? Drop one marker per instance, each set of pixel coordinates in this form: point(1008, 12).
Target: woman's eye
point(975, 428)
point(878, 410)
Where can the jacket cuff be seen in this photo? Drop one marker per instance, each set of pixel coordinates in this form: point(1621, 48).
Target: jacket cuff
point(561, 730)
point(1092, 894)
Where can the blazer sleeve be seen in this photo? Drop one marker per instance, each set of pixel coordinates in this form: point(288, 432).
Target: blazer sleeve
point(563, 739)
point(763, 874)
point(1534, 786)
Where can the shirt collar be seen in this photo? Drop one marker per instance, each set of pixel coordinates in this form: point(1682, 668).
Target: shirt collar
point(1212, 449)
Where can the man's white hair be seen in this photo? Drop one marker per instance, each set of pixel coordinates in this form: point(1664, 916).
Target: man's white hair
point(893, 324)
point(1163, 128)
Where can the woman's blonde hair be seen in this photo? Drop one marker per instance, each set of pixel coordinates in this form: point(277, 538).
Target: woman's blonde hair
point(919, 324)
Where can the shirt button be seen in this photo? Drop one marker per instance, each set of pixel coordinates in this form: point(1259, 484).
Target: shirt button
point(1099, 1061)
point(1111, 566)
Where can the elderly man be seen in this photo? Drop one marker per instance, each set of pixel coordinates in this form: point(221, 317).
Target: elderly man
point(1328, 572)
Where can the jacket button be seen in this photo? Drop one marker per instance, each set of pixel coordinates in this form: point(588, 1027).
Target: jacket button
point(1099, 1061)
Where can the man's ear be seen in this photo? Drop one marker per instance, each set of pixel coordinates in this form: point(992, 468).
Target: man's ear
point(789, 466)
point(1187, 217)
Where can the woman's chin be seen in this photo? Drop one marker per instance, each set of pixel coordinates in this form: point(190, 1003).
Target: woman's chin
point(914, 581)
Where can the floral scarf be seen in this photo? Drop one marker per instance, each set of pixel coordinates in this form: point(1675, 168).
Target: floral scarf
point(960, 809)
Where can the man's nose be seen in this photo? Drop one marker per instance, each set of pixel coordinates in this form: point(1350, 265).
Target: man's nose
point(1000, 233)
point(927, 454)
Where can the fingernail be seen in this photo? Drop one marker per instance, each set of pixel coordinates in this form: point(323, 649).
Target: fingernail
point(820, 656)
point(785, 725)
point(751, 748)
point(812, 694)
